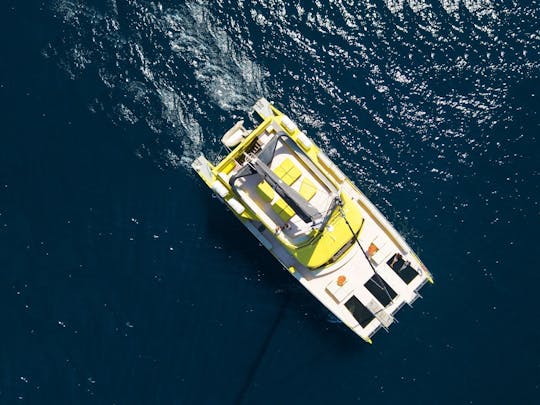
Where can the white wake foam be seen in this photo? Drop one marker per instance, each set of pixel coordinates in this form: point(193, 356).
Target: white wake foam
point(141, 57)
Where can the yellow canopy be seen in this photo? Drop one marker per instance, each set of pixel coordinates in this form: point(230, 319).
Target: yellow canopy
point(335, 235)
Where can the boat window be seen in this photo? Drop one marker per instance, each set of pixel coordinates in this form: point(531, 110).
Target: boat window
point(376, 286)
point(359, 311)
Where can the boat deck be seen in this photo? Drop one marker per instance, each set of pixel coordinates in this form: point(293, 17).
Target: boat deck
point(267, 203)
point(363, 286)
point(368, 299)
point(363, 281)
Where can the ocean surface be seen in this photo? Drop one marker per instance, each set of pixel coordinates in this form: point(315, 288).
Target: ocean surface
point(122, 281)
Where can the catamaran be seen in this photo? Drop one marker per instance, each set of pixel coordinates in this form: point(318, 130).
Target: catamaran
point(315, 221)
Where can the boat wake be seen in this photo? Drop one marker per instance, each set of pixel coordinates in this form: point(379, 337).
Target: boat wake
point(171, 70)
point(404, 93)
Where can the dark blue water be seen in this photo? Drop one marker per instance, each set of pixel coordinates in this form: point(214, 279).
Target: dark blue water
point(121, 279)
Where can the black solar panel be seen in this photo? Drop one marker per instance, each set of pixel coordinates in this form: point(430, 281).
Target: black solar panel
point(376, 286)
point(359, 311)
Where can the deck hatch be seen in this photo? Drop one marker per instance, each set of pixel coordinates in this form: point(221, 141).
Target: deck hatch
point(359, 311)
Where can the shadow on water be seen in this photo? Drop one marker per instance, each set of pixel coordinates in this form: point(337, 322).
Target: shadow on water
point(224, 228)
point(295, 302)
point(256, 363)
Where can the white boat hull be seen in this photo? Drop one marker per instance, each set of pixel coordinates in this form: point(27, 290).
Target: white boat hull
point(364, 282)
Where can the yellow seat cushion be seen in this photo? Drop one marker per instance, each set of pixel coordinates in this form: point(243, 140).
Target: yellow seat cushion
point(279, 205)
point(292, 175)
point(283, 210)
point(266, 192)
point(281, 169)
point(307, 189)
point(287, 171)
point(286, 214)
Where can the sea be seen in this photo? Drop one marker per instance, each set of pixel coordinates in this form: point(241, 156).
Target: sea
point(123, 281)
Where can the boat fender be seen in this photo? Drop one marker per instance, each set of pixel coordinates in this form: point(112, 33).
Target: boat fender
point(288, 124)
point(220, 189)
point(236, 206)
point(234, 139)
point(304, 141)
